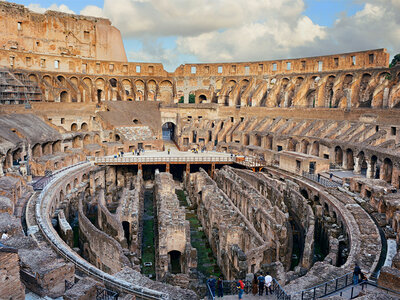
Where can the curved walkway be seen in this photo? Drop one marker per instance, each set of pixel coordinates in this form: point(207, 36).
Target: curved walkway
point(42, 210)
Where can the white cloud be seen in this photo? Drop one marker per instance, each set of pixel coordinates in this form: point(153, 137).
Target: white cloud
point(61, 8)
point(92, 10)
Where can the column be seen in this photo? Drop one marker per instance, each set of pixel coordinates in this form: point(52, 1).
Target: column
point(357, 166)
point(370, 170)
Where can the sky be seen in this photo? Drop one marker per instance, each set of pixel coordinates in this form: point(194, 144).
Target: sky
point(175, 32)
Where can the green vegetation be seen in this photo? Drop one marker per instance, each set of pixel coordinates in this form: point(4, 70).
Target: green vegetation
point(395, 60)
point(148, 250)
point(192, 98)
point(206, 262)
point(182, 99)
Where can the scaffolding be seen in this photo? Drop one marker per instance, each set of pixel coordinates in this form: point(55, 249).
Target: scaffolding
point(16, 88)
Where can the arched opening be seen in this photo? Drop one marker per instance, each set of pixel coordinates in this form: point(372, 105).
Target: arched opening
point(64, 96)
point(338, 156)
point(86, 140)
point(74, 127)
point(315, 149)
point(77, 142)
point(36, 150)
point(117, 138)
point(304, 193)
point(375, 169)
point(168, 131)
point(174, 265)
point(136, 121)
point(311, 96)
point(202, 99)
point(127, 231)
point(387, 170)
point(304, 146)
point(75, 182)
point(99, 95)
point(350, 159)
point(84, 127)
point(68, 188)
point(292, 145)
point(113, 82)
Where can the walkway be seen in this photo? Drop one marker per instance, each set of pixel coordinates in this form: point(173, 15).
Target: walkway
point(248, 297)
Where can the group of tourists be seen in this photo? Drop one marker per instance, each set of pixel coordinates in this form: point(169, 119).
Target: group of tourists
point(259, 283)
point(358, 275)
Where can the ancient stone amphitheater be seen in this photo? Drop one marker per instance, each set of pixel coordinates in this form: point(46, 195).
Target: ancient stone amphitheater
point(122, 180)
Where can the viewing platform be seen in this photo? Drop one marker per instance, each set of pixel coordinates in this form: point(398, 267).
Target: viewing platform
point(177, 157)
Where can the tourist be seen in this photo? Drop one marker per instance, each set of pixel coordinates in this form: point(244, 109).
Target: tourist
point(319, 177)
point(220, 287)
point(169, 151)
point(261, 282)
point(268, 284)
point(254, 285)
point(240, 286)
point(211, 283)
point(356, 274)
point(330, 176)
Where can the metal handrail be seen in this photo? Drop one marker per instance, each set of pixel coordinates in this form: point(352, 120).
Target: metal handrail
point(162, 159)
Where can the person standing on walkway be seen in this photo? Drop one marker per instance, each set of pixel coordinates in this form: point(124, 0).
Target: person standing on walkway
point(268, 284)
point(356, 274)
point(220, 287)
point(261, 282)
point(169, 151)
point(254, 285)
point(240, 286)
point(211, 283)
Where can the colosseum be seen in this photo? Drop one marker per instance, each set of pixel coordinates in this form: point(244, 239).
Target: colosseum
point(120, 180)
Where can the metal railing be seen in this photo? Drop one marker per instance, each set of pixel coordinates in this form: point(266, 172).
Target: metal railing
point(328, 287)
point(321, 180)
point(164, 159)
point(105, 294)
point(229, 287)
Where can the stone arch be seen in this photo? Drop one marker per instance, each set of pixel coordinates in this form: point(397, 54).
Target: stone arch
point(304, 146)
point(74, 127)
point(311, 98)
point(100, 84)
point(349, 159)
point(75, 182)
point(365, 94)
point(338, 156)
point(47, 148)
point(64, 96)
point(48, 79)
point(113, 82)
point(68, 188)
point(140, 90)
point(315, 148)
point(167, 91)
point(96, 138)
point(329, 91)
point(77, 142)
point(84, 126)
point(202, 98)
point(86, 140)
point(292, 145)
point(56, 146)
point(37, 150)
point(387, 169)
point(151, 90)
point(128, 88)
point(33, 78)
point(61, 79)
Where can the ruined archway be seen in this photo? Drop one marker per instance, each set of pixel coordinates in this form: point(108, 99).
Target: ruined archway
point(174, 265)
point(338, 156)
point(168, 131)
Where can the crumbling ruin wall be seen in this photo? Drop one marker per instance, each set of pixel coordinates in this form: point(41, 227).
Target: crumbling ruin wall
point(11, 286)
point(269, 221)
point(172, 227)
point(108, 222)
point(99, 248)
point(238, 246)
point(130, 210)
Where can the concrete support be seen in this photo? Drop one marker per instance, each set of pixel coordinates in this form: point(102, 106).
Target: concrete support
point(370, 170)
point(357, 166)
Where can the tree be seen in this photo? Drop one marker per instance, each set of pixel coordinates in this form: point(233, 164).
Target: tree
point(192, 98)
point(395, 61)
point(182, 99)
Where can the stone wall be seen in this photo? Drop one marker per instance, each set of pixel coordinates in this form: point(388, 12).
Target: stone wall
point(269, 221)
point(99, 248)
point(173, 230)
point(238, 246)
point(10, 282)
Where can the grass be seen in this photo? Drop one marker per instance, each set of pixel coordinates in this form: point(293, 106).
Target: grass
point(206, 262)
point(148, 250)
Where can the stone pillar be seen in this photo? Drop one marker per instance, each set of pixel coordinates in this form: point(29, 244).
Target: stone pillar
point(357, 166)
point(370, 171)
point(1, 168)
point(344, 161)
